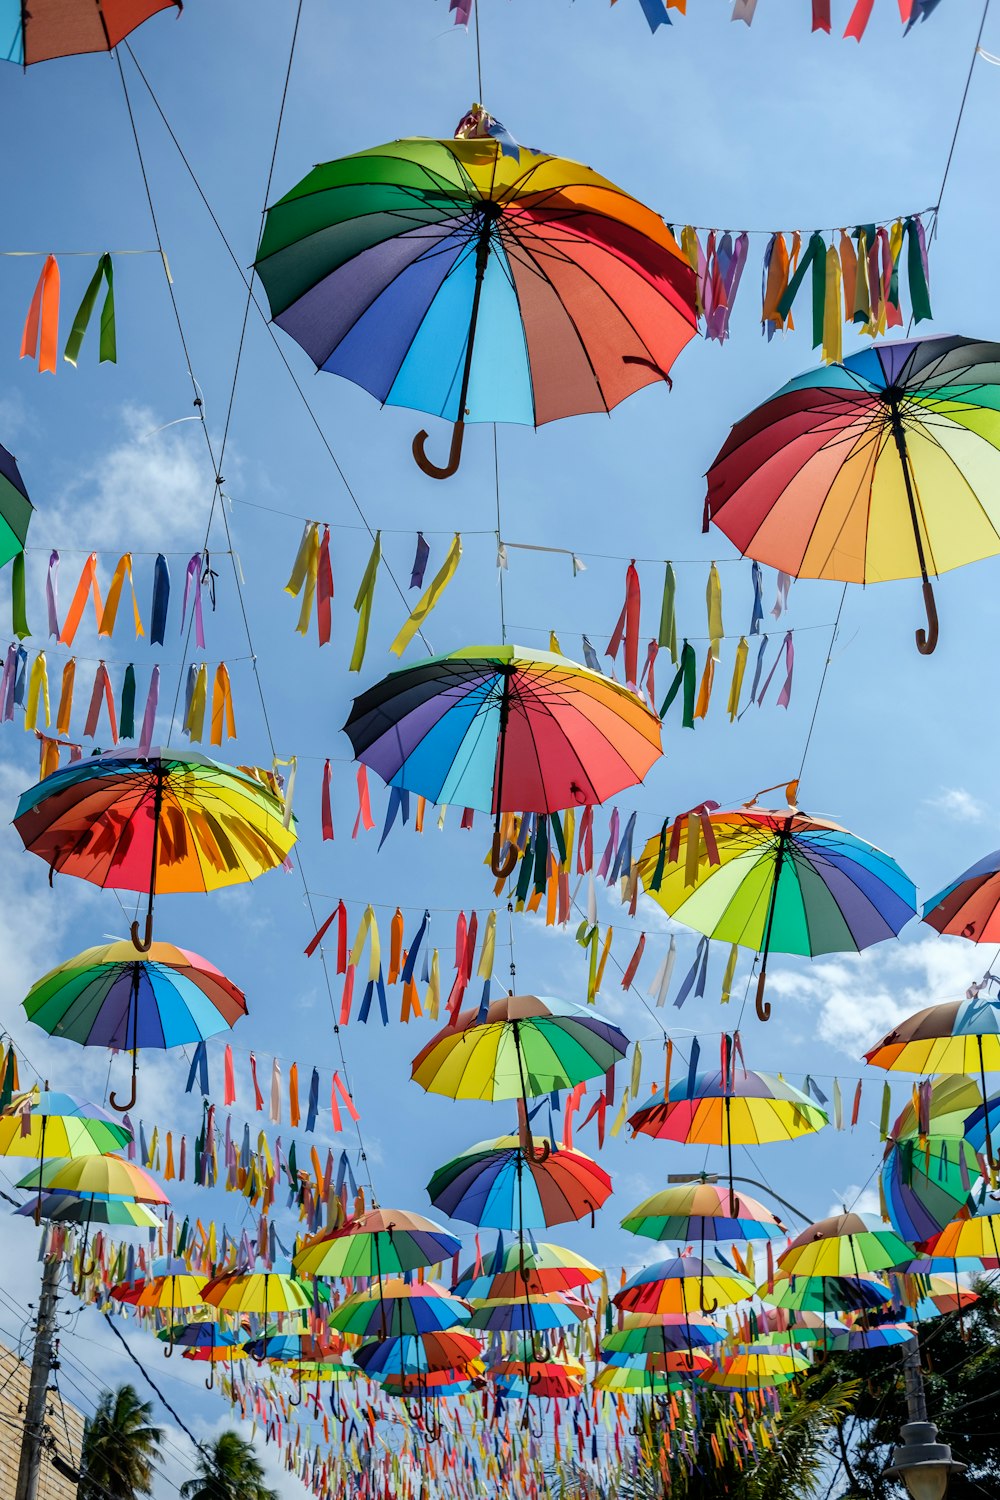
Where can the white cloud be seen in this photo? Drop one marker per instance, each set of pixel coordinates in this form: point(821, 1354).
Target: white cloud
point(856, 998)
point(857, 1200)
point(960, 804)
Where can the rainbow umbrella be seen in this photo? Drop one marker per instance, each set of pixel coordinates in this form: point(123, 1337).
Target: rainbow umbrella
point(103, 1176)
point(15, 508)
point(525, 1046)
point(262, 1292)
point(681, 1284)
point(169, 998)
point(477, 281)
point(881, 1336)
point(702, 1211)
point(753, 1367)
point(824, 1294)
point(155, 820)
point(50, 1123)
point(928, 1166)
point(630, 1380)
point(446, 1349)
point(396, 1307)
point(975, 1239)
point(657, 1333)
point(780, 1325)
point(519, 1378)
point(782, 881)
point(843, 1245)
point(433, 1385)
point(203, 1339)
point(529, 1266)
point(969, 906)
point(501, 1185)
point(36, 33)
point(504, 729)
point(885, 466)
point(526, 1314)
point(74, 1208)
point(381, 1242)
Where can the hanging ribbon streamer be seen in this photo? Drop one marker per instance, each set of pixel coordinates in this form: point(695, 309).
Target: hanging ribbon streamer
point(430, 598)
point(303, 575)
point(735, 687)
point(193, 576)
point(364, 817)
point(661, 979)
point(126, 714)
point(18, 604)
point(110, 611)
point(197, 696)
point(149, 716)
point(161, 601)
point(101, 689)
point(65, 708)
point(86, 588)
point(327, 806)
point(41, 328)
point(666, 636)
point(223, 717)
point(52, 594)
point(696, 976)
point(324, 590)
point(363, 603)
point(108, 349)
point(38, 693)
point(628, 628)
point(684, 678)
point(420, 558)
point(713, 600)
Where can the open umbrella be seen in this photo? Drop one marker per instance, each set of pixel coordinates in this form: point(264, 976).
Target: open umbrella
point(928, 1166)
point(844, 1245)
point(702, 1211)
point(683, 1284)
point(103, 1176)
point(445, 1349)
point(477, 281)
point(15, 508)
point(782, 881)
point(111, 996)
point(44, 30)
point(526, 1266)
point(155, 821)
point(526, 1045)
point(395, 1307)
point(975, 1238)
point(501, 1184)
point(381, 1242)
point(824, 1294)
point(753, 1367)
point(262, 1292)
point(504, 729)
point(653, 1333)
point(969, 905)
point(633, 1380)
point(885, 466)
point(525, 1314)
point(88, 1208)
point(51, 1124)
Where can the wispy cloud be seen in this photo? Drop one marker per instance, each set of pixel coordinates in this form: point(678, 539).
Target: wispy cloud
point(960, 804)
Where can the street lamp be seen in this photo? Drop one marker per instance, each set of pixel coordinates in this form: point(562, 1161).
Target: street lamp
point(922, 1463)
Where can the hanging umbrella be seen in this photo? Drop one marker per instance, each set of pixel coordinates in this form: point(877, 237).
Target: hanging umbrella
point(885, 466)
point(782, 881)
point(381, 1242)
point(756, 1366)
point(43, 31)
point(825, 1294)
point(966, 1239)
point(928, 1167)
point(526, 1314)
point(476, 281)
point(653, 1333)
point(732, 1106)
point(629, 1380)
point(969, 906)
point(15, 508)
point(446, 1349)
point(73, 1208)
point(702, 1211)
point(103, 1176)
point(109, 994)
point(432, 1385)
point(844, 1245)
point(558, 1380)
point(501, 1185)
point(780, 1325)
point(202, 1338)
point(527, 1266)
point(157, 821)
point(263, 1292)
point(526, 1045)
point(51, 1123)
point(861, 1335)
point(395, 1307)
point(960, 1036)
point(504, 729)
point(177, 1290)
point(683, 1284)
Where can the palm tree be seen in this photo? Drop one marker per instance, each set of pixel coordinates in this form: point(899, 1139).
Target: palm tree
point(228, 1469)
point(120, 1445)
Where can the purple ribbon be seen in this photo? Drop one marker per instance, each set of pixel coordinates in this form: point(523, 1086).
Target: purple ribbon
point(423, 552)
point(7, 684)
point(193, 575)
point(149, 716)
point(52, 593)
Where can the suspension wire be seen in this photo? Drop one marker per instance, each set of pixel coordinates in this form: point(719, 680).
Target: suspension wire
point(479, 53)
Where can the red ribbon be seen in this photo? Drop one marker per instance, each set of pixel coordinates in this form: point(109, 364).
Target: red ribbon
point(324, 590)
point(327, 807)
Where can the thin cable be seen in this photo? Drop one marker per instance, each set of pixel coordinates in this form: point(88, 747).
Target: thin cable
point(822, 681)
point(479, 54)
point(496, 476)
point(961, 111)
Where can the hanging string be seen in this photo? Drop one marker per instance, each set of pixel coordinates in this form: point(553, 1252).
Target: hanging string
point(479, 53)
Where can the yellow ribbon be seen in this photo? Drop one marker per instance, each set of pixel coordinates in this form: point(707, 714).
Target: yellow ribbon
point(705, 690)
point(833, 339)
point(736, 686)
point(194, 722)
point(363, 604)
point(38, 686)
point(368, 927)
point(429, 598)
point(486, 953)
point(713, 598)
point(305, 571)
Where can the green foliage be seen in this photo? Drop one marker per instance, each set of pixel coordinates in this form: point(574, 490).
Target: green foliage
point(228, 1469)
point(120, 1446)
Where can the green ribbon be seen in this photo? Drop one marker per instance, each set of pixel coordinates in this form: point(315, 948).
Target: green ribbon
point(18, 606)
point(108, 344)
point(814, 257)
point(557, 833)
point(7, 1090)
point(920, 297)
point(685, 676)
point(667, 633)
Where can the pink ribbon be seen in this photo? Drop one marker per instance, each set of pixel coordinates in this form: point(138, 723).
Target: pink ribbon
point(193, 575)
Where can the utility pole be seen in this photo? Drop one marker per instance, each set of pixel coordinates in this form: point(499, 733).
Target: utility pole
point(38, 1386)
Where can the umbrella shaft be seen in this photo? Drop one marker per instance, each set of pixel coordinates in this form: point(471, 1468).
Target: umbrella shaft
point(899, 435)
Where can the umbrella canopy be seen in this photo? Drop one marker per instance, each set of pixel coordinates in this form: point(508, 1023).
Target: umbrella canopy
point(824, 1294)
point(432, 1351)
point(556, 1379)
point(73, 1208)
point(66, 28)
point(158, 820)
point(680, 1361)
point(629, 1380)
point(499, 1185)
point(702, 1211)
point(15, 507)
point(654, 1333)
point(783, 881)
point(199, 1334)
point(780, 1325)
point(176, 1291)
point(111, 996)
point(51, 1123)
point(381, 1242)
point(393, 1307)
point(885, 466)
point(106, 1176)
point(263, 1292)
point(526, 1314)
point(529, 1267)
point(884, 1336)
point(959, 1036)
point(976, 1238)
point(843, 1245)
point(526, 1046)
point(505, 729)
point(433, 1385)
point(756, 1366)
point(734, 1106)
point(925, 1185)
point(969, 906)
point(477, 282)
point(683, 1284)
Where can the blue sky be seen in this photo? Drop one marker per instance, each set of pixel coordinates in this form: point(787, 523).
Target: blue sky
point(710, 124)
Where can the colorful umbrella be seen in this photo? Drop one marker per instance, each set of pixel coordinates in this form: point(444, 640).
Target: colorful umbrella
point(702, 1211)
point(824, 1294)
point(885, 466)
point(41, 31)
point(504, 729)
point(924, 1184)
point(655, 1333)
point(756, 1366)
point(525, 1314)
point(969, 906)
point(976, 1238)
point(629, 1380)
point(431, 1352)
point(155, 820)
point(525, 1046)
point(263, 1292)
point(105, 995)
point(843, 1245)
point(51, 1123)
point(394, 1307)
point(381, 1242)
point(530, 1267)
point(683, 1284)
point(73, 1208)
point(104, 1176)
point(778, 880)
point(881, 1336)
point(476, 281)
point(559, 1380)
point(15, 508)
point(500, 1185)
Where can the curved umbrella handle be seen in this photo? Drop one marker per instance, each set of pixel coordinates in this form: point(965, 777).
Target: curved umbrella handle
point(129, 1103)
point(708, 1310)
point(502, 867)
point(539, 1154)
point(928, 639)
point(454, 455)
point(298, 1401)
point(147, 938)
point(543, 1354)
point(763, 1008)
point(637, 359)
point(210, 1382)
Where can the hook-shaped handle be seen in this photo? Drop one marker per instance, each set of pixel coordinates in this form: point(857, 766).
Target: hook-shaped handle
point(210, 1382)
point(543, 1354)
point(168, 1351)
point(763, 1007)
point(928, 639)
point(505, 866)
point(433, 1434)
point(147, 937)
point(707, 1310)
point(432, 470)
point(539, 1154)
point(129, 1103)
point(298, 1400)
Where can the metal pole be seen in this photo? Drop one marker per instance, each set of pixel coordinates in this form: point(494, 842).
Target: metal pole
point(916, 1400)
point(38, 1386)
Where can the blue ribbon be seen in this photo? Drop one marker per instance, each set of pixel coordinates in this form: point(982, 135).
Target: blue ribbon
point(161, 601)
